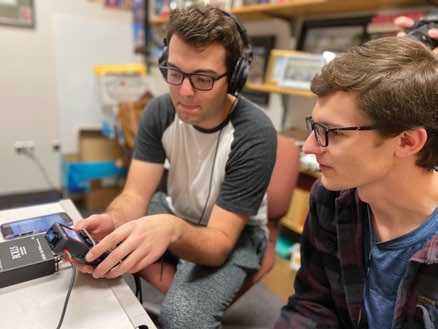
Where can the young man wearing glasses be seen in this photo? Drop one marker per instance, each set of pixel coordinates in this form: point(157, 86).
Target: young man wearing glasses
point(221, 149)
point(369, 249)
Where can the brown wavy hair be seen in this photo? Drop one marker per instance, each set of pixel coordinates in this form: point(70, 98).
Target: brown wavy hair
point(396, 83)
point(201, 25)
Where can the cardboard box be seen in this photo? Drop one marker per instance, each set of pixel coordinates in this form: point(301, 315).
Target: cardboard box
point(77, 175)
point(92, 175)
point(94, 146)
point(100, 194)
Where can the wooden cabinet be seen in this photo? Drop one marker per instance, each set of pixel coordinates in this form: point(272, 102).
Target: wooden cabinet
point(296, 216)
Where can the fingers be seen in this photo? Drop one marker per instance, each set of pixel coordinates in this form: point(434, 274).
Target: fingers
point(433, 33)
point(119, 248)
point(98, 226)
point(132, 250)
point(88, 269)
point(87, 223)
point(133, 246)
point(132, 263)
point(402, 22)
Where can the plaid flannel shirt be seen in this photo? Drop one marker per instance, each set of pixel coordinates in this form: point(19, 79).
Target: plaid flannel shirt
point(329, 286)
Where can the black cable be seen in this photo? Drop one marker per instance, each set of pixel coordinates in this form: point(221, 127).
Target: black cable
point(222, 125)
point(138, 291)
point(211, 176)
point(70, 288)
point(43, 170)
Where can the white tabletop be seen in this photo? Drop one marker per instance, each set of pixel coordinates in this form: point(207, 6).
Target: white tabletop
point(93, 303)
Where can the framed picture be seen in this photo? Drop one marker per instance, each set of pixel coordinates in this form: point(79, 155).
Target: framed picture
point(335, 35)
point(276, 64)
point(17, 13)
point(299, 70)
point(261, 48)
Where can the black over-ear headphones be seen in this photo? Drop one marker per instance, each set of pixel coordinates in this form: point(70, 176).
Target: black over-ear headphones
point(239, 74)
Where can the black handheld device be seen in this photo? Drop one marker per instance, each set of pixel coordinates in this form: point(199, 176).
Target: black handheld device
point(419, 31)
point(29, 226)
point(62, 238)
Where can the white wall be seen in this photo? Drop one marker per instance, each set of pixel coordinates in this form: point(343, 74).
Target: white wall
point(48, 90)
point(47, 83)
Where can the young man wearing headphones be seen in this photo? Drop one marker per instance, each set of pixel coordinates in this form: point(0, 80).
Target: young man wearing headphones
point(221, 149)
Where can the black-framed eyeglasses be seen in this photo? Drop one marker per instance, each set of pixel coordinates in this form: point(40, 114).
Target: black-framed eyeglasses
point(322, 131)
point(198, 81)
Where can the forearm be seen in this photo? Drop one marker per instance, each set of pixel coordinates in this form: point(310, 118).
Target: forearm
point(209, 246)
point(126, 207)
point(141, 184)
point(198, 244)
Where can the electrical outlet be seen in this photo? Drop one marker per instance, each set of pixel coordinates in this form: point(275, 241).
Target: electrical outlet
point(56, 145)
point(24, 146)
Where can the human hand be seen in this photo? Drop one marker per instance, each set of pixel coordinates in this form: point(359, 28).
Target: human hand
point(135, 245)
point(403, 22)
point(98, 226)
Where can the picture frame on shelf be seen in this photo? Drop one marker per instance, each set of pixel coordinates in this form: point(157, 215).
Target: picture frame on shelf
point(334, 34)
point(261, 49)
point(19, 13)
point(299, 69)
point(276, 64)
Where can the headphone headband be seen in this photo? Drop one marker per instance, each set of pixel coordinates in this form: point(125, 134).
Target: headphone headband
point(242, 32)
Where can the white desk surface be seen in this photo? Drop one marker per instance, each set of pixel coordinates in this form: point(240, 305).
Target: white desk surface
point(93, 303)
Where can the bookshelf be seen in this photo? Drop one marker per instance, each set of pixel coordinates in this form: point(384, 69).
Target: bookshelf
point(273, 88)
point(296, 8)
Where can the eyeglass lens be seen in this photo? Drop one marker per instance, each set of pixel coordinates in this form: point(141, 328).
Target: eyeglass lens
point(320, 132)
point(198, 81)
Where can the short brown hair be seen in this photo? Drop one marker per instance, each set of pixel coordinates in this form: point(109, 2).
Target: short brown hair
point(396, 83)
point(201, 25)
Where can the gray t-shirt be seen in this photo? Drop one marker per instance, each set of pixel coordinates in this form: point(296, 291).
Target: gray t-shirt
point(229, 166)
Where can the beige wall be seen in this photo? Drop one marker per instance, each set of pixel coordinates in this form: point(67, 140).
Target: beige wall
point(33, 81)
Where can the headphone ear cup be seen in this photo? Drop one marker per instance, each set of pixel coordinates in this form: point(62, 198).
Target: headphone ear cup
point(162, 61)
point(238, 76)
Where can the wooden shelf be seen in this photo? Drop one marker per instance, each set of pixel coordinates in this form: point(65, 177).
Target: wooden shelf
point(272, 88)
point(266, 11)
point(280, 279)
point(292, 226)
point(295, 8)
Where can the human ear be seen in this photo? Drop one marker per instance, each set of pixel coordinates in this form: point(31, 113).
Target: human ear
point(411, 142)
